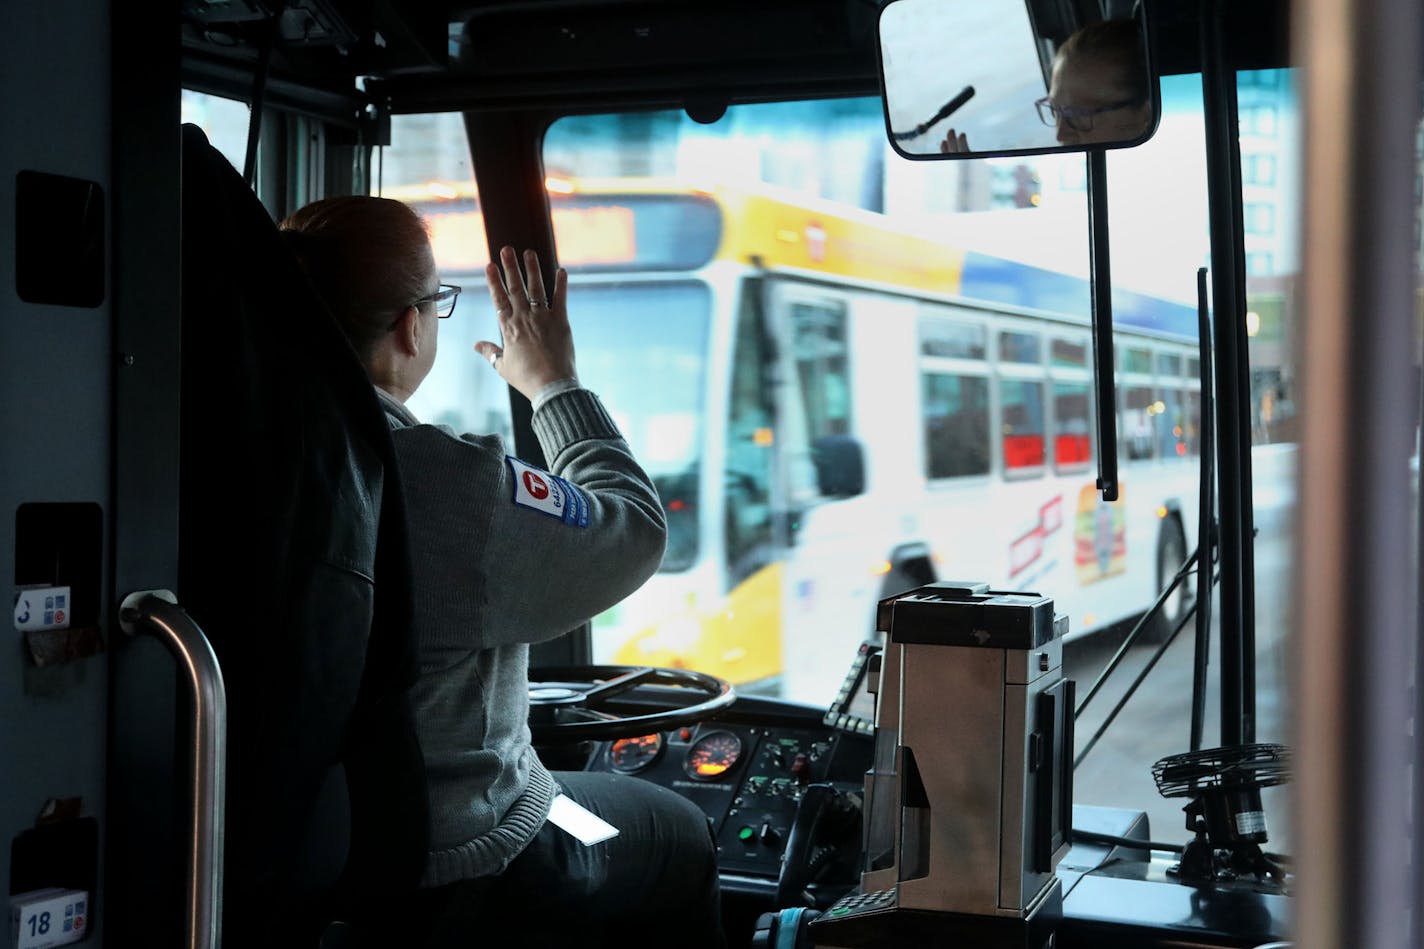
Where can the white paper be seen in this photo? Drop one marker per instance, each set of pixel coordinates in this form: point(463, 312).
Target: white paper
point(585, 825)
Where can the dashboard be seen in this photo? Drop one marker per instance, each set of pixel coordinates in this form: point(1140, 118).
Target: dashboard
point(751, 768)
point(748, 771)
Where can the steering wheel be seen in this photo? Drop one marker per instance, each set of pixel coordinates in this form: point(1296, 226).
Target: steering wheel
point(570, 703)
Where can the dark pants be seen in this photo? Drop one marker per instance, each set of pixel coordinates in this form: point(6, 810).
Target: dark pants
point(653, 885)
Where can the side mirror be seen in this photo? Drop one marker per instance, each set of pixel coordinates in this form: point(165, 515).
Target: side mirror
point(975, 78)
point(840, 466)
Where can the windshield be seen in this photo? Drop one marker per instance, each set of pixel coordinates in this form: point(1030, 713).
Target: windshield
point(632, 339)
point(950, 430)
point(965, 388)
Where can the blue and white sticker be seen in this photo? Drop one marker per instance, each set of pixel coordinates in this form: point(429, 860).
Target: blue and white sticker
point(548, 494)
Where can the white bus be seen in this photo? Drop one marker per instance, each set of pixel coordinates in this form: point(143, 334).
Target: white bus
point(835, 410)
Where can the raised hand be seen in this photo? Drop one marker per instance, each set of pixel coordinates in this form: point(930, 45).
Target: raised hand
point(538, 344)
point(953, 143)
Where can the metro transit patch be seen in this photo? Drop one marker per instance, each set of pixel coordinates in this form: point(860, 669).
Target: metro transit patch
point(549, 494)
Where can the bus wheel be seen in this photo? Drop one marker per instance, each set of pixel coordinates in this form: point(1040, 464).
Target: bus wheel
point(1171, 553)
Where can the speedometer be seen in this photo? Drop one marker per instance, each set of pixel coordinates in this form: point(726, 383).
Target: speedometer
point(630, 755)
point(712, 756)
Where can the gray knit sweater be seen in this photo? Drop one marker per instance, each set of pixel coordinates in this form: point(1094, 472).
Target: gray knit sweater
point(496, 567)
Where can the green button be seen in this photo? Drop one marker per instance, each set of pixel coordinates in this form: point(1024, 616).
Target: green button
point(745, 834)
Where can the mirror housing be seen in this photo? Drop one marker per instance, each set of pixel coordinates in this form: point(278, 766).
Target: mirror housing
point(840, 466)
point(982, 78)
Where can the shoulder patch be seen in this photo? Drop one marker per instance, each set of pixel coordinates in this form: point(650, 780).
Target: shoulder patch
point(548, 494)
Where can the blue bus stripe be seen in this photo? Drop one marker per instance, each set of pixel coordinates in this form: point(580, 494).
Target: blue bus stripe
point(1010, 283)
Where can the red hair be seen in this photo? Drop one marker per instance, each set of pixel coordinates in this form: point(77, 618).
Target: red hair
point(369, 258)
point(1117, 42)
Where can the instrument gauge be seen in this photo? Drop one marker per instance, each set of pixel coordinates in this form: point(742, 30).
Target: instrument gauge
point(712, 756)
point(631, 755)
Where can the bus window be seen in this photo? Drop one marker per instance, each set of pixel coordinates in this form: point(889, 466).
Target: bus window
point(1138, 410)
point(1021, 418)
point(1021, 415)
point(670, 321)
point(1072, 426)
point(427, 165)
point(750, 427)
point(1193, 420)
point(1069, 354)
point(1170, 423)
point(1270, 126)
point(223, 121)
point(956, 414)
point(1019, 347)
point(955, 340)
point(818, 339)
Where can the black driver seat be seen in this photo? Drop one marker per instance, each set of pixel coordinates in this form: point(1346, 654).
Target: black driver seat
point(293, 558)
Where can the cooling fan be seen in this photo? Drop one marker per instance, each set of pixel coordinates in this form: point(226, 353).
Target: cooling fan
point(1224, 811)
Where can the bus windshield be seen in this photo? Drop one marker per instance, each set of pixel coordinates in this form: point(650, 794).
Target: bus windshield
point(898, 386)
point(634, 338)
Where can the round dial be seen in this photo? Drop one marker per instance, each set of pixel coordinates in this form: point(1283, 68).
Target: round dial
point(712, 756)
point(629, 755)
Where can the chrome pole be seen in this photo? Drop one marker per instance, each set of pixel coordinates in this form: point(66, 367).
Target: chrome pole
point(156, 613)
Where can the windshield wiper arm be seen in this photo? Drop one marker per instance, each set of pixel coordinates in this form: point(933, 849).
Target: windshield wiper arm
point(946, 110)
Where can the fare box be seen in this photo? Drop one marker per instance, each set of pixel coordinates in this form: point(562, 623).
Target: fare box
point(49, 917)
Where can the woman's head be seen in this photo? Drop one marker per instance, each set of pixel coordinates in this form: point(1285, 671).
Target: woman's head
point(1099, 89)
point(369, 258)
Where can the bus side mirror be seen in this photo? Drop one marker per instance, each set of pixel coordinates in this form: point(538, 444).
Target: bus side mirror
point(840, 466)
point(972, 78)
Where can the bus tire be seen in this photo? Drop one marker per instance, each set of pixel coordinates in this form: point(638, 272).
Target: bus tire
point(1171, 552)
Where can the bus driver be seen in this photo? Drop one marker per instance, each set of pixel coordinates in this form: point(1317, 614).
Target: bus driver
point(494, 572)
point(1098, 92)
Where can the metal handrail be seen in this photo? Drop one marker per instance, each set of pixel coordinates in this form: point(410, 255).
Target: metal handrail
point(156, 612)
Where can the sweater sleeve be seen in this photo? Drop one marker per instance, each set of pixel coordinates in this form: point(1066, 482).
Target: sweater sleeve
point(546, 572)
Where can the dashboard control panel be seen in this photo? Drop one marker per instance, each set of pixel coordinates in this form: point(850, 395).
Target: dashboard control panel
point(747, 778)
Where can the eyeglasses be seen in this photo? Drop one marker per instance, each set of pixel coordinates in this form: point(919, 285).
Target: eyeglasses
point(444, 299)
point(1078, 118)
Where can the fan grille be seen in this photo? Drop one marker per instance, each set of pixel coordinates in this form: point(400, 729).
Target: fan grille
point(1237, 766)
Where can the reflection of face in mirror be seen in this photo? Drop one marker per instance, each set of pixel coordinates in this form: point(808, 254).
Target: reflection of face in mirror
point(1099, 88)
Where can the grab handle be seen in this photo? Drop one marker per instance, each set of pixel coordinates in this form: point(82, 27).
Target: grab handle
point(156, 613)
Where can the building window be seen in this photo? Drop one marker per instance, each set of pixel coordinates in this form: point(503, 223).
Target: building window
point(1260, 217)
point(1260, 264)
point(1258, 169)
point(1015, 187)
point(1259, 78)
point(1258, 119)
